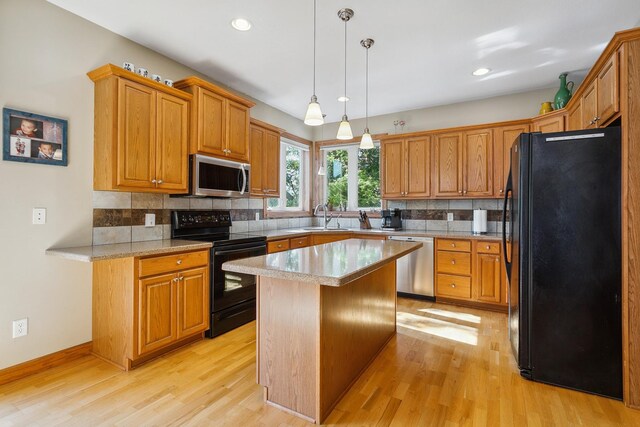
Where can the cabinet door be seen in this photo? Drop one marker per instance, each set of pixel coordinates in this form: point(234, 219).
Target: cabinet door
point(156, 312)
point(271, 164)
point(237, 131)
point(607, 93)
point(448, 165)
point(488, 278)
point(172, 139)
point(503, 139)
point(555, 123)
point(418, 161)
point(211, 123)
point(320, 239)
point(393, 168)
point(256, 149)
point(137, 135)
point(574, 118)
point(193, 302)
point(478, 163)
point(589, 107)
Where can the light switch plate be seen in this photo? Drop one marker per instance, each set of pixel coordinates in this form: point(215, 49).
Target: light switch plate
point(149, 220)
point(39, 216)
point(449, 216)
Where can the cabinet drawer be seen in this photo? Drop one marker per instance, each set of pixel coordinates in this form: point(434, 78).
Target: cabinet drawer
point(174, 262)
point(299, 242)
point(277, 246)
point(454, 245)
point(488, 247)
point(454, 262)
point(453, 286)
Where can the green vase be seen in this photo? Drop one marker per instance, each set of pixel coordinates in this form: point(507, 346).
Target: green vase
point(564, 93)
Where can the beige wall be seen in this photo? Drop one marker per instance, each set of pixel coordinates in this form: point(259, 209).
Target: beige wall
point(46, 54)
point(497, 109)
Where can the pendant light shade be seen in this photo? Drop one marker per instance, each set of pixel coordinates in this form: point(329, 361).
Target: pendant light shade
point(366, 142)
point(314, 115)
point(321, 171)
point(344, 131)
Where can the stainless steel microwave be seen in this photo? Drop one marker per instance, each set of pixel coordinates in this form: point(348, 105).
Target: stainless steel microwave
point(217, 177)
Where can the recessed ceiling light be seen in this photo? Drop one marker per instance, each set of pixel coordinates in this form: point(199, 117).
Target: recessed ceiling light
point(343, 99)
point(481, 71)
point(241, 24)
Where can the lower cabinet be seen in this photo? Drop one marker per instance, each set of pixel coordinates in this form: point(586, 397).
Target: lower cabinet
point(143, 307)
point(320, 239)
point(470, 271)
point(280, 245)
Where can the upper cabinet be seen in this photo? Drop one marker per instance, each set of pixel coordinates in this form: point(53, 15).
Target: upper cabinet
point(503, 139)
point(406, 171)
point(219, 120)
point(463, 164)
point(551, 122)
point(141, 133)
point(264, 176)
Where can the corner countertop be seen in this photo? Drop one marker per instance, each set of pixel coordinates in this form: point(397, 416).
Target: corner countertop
point(331, 264)
point(126, 250)
point(285, 233)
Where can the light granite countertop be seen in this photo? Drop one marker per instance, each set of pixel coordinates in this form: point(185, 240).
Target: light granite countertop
point(295, 232)
point(331, 264)
point(126, 250)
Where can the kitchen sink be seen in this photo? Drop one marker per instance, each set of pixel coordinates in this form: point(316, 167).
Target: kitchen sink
point(326, 229)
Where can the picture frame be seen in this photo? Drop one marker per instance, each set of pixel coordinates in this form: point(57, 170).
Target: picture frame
point(33, 138)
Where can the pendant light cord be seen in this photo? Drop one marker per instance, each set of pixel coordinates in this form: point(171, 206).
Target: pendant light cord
point(345, 66)
point(366, 94)
point(314, 47)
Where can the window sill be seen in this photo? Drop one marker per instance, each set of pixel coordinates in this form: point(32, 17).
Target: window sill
point(286, 214)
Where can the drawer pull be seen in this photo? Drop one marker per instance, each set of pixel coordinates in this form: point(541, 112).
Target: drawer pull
point(179, 262)
point(299, 242)
point(181, 278)
point(280, 245)
point(453, 285)
point(175, 279)
point(453, 245)
point(453, 261)
point(488, 247)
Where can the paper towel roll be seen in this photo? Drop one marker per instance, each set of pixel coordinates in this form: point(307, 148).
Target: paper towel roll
point(479, 221)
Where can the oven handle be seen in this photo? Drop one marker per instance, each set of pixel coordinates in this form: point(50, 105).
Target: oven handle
point(235, 251)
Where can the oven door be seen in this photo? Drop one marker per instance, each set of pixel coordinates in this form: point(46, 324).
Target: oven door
point(218, 177)
point(228, 288)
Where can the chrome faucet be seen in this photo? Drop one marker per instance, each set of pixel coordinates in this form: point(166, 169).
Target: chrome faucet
point(324, 213)
point(338, 220)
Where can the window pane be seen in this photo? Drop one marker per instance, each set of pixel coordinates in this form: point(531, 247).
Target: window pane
point(292, 180)
point(369, 178)
point(337, 166)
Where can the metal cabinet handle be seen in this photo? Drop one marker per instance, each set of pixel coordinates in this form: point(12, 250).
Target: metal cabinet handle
point(464, 192)
point(153, 181)
point(501, 191)
point(179, 262)
point(459, 192)
point(280, 246)
point(488, 247)
point(453, 245)
point(181, 278)
point(597, 118)
point(175, 279)
point(453, 261)
point(453, 285)
point(160, 181)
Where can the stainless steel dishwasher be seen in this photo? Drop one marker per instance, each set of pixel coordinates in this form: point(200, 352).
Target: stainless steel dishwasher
point(414, 272)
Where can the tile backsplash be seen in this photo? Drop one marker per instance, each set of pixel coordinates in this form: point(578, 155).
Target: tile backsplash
point(118, 217)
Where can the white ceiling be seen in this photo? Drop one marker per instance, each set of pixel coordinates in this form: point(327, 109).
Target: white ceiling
point(423, 55)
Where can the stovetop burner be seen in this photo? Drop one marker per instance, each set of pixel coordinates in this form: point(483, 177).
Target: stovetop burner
point(211, 226)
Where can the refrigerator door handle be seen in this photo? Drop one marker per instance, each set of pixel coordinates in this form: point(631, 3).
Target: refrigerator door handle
point(507, 260)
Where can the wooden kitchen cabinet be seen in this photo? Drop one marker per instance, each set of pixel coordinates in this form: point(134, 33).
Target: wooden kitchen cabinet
point(574, 117)
point(503, 139)
point(589, 106)
point(265, 159)
point(141, 133)
point(219, 119)
point(320, 239)
point(144, 307)
point(470, 272)
point(550, 122)
point(406, 168)
point(463, 164)
point(600, 100)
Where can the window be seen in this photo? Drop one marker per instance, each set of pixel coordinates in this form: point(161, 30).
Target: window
point(352, 178)
point(294, 178)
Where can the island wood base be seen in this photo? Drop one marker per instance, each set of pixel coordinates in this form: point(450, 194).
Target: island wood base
point(314, 341)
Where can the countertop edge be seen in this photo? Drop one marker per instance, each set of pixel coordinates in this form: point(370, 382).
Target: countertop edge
point(288, 233)
point(74, 254)
point(315, 279)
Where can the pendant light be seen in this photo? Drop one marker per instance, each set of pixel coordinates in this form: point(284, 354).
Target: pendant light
point(344, 131)
point(314, 115)
point(366, 142)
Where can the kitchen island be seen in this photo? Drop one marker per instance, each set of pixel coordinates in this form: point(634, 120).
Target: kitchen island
point(324, 313)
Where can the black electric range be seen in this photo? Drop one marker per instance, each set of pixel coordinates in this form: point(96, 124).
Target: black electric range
point(232, 295)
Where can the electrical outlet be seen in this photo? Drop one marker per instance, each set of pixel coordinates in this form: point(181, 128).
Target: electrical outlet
point(39, 216)
point(257, 216)
point(449, 216)
point(20, 327)
point(149, 220)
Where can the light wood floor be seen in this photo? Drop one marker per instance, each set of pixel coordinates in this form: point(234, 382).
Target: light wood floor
point(447, 366)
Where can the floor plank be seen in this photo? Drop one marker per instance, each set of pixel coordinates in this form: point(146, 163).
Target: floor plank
point(447, 366)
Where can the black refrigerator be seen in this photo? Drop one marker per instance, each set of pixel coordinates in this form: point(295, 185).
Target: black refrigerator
point(563, 210)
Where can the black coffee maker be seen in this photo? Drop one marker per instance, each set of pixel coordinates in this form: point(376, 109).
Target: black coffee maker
point(392, 219)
